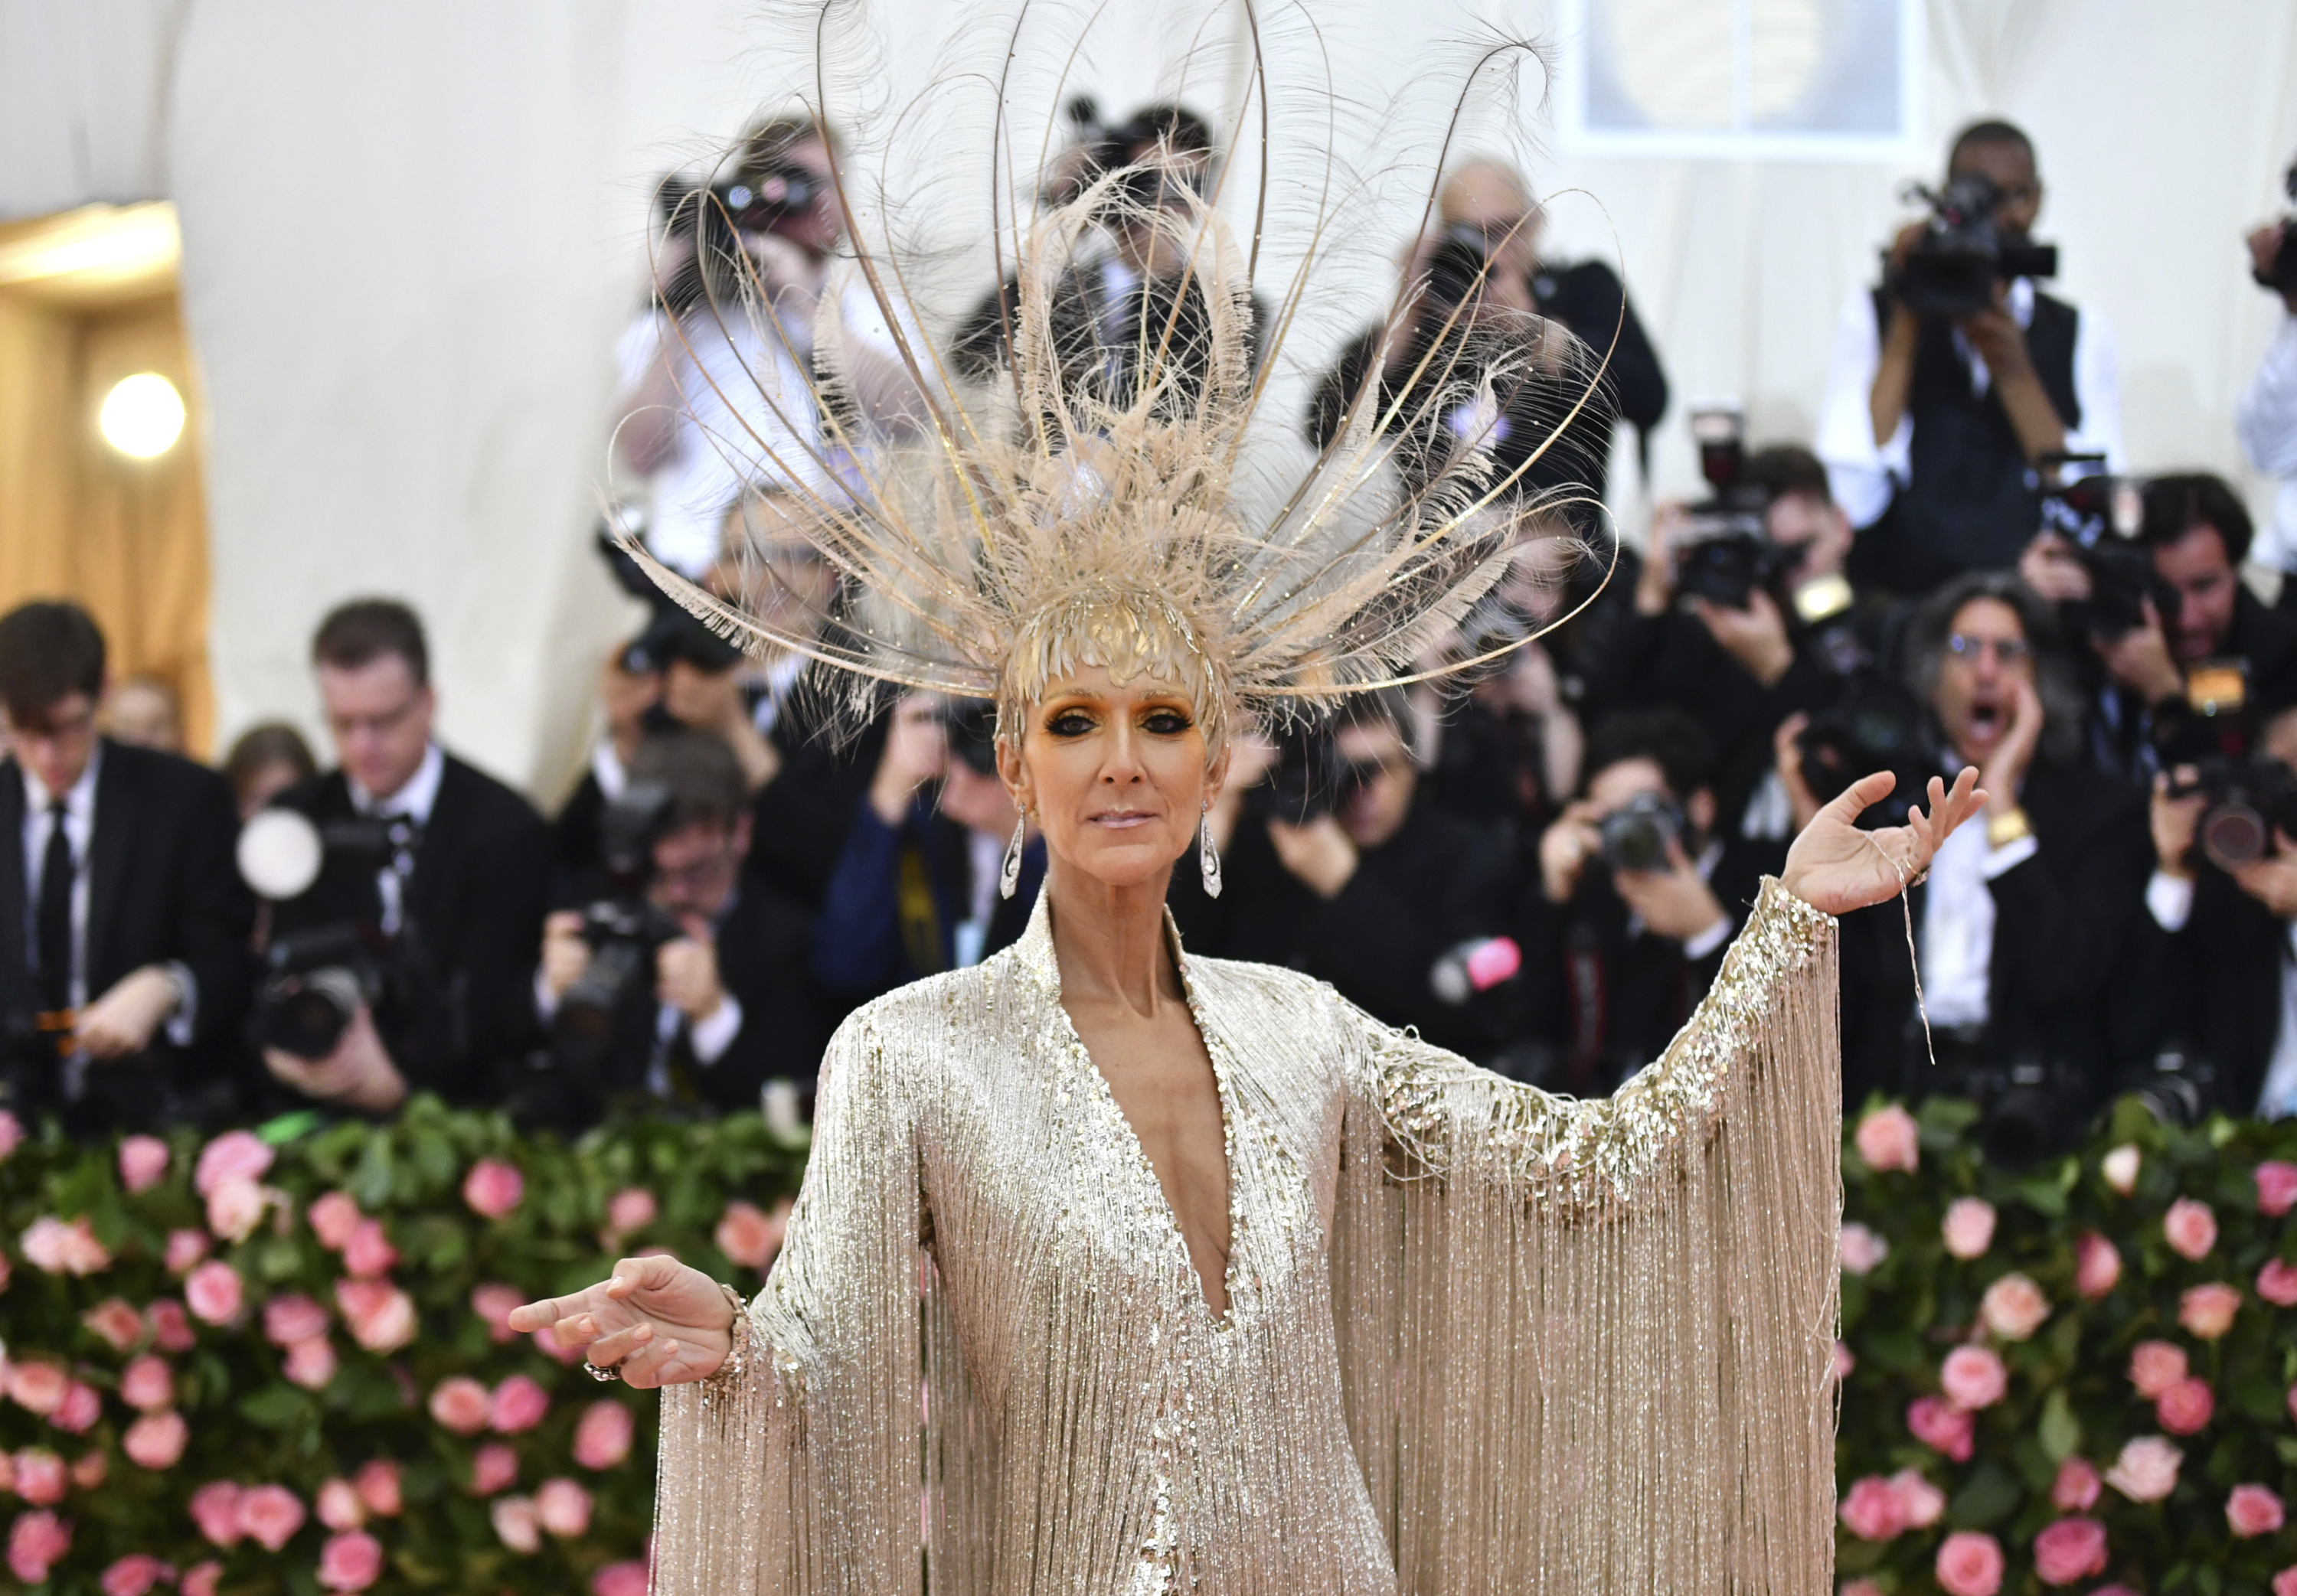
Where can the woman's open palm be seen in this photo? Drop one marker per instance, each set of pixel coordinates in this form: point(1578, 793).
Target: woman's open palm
point(663, 1323)
point(1837, 868)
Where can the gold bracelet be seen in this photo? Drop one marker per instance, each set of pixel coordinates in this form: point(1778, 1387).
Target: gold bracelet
point(2001, 830)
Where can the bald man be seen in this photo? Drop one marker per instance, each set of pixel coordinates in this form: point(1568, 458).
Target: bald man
point(1470, 323)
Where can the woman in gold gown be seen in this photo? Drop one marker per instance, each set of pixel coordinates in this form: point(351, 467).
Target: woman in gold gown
point(1120, 1269)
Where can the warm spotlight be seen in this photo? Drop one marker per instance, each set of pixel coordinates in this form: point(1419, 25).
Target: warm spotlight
point(143, 416)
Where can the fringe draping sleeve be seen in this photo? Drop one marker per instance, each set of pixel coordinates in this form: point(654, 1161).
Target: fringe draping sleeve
point(1588, 1346)
point(797, 1471)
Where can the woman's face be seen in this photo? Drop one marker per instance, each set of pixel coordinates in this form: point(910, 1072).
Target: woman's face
point(1114, 775)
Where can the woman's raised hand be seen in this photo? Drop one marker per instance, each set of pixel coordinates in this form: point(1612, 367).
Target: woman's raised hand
point(661, 1321)
point(1836, 868)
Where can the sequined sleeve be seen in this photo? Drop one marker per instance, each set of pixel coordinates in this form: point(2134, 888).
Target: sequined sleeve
point(1589, 1344)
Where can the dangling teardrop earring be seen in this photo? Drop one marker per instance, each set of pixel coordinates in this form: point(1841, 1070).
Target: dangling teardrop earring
point(1008, 879)
point(1208, 860)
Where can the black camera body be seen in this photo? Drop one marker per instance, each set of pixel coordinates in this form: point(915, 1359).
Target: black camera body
point(624, 929)
point(315, 979)
point(1877, 724)
point(1457, 267)
point(2029, 1109)
point(1637, 835)
point(1724, 551)
point(1310, 781)
point(2249, 799)
point(1963, 252)
point(2100, 516)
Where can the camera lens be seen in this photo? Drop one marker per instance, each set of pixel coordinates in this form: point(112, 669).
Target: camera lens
point(2234, 834)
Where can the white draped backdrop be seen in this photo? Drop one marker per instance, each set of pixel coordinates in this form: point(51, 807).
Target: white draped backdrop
point(412, 230)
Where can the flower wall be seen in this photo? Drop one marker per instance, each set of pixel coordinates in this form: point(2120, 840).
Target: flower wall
point(280, 1362)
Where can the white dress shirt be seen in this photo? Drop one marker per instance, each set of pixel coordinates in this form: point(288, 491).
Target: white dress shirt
point(1957, 940)
point(1864, 475)
point(2169, 900)
point(2265, 418)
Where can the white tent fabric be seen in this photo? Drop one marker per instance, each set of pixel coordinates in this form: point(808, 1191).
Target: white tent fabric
point(411, 233)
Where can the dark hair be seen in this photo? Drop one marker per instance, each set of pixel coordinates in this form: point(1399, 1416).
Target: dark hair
point(1992, 130)
point(364, 630)
point(1667, 737)
point(2055, 678)
point(705, 781)
point(49, 650)
point(1180, 129)
point(270, 742)
point(1784, 470)
point(2177, 504)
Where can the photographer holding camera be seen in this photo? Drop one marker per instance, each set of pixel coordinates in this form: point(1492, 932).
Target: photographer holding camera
point(1954, 385)
point(123, 926)
point(1476, 300)
point(708, 996)
point(2264, 416)
point(439, 910)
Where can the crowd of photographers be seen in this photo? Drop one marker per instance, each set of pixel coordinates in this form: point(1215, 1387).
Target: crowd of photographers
point(1540, 865)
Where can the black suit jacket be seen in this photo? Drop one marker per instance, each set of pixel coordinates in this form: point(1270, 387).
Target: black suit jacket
point(2210, 990)
point(163, 887)
point(474, 905)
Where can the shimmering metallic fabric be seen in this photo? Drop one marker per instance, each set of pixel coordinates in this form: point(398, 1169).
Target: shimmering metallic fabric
point(1479, 1338)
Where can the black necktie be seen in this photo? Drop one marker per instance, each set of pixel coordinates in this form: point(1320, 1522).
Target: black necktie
point(54, 922)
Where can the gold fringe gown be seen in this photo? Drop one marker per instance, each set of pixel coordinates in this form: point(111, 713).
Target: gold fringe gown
point(1479, 1338)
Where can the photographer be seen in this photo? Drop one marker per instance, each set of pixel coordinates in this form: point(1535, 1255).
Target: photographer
point(1625, 923)
point(454, 901)
point(914, 891)
point(2020, 921)
point(1481, 273)
point(1953, 384)
point(2264, 416)
point(123, 926)
point(726, 1001)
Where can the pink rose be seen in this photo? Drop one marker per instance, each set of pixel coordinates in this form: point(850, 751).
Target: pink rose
point(134, 1575)
point(1974, 1378)
point(171, 1328)
point(2155, 1366)
point(2185, 1407)
point(380, 1316)
point(143, 1162)
point(236, 1208)
point(234, 1156)
point(493, 1187)
point(200, 1579)
point(460, 1404)
point(1969, 1563)
point(338, 1506)
point(2120, 1166)
point(89, 1470)
point(79, 1410)
point(2206, 1312)
point(2076, 1488)
point(148, 1384)
point(1872, 1511)
point(2097, 1265)
point(270, 1514)
point(2190, 1228)
point(1888, 1138)
point(2293, 1405)
point(293, 1318)
point(213, 1292)
point(602, 1440)
point(311, 1363)
point(2252, 1510)
point(2068, 1549)
point(1940, 1426)
point(2276, 1188)
point(632, 1208)
point(493, 1304)
point(2013, 1307)
point(564, 1507)
point(2276, 1283)
point(37, 1387)
point(57, 1246)
point(749, 1237)
point(516, 1524)
point(1922, 1501)
point(333, 1217)
point(518, 1405)
point(156, 1440)
point(184, 1249)
point(12, 1134)
point(350, 1561)
point(1862, 1249)
point(2284, 1583)
point(1968, 1226)
point(215, 1509)
point(114, 1323)
point(40, 1478)
point(368, 1253)
point(1844, 1361)
point(378, 1486)
point(2146, 1470)
point(493, 1468)
point(629, 1579)
point(36, 1542)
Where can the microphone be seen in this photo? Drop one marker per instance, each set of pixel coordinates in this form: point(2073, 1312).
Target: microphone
point(1475, 966)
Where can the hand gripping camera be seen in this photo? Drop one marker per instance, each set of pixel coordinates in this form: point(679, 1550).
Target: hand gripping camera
point(1964, 251)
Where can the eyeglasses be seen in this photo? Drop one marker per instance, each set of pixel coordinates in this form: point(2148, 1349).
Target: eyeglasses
point(2006, 651)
